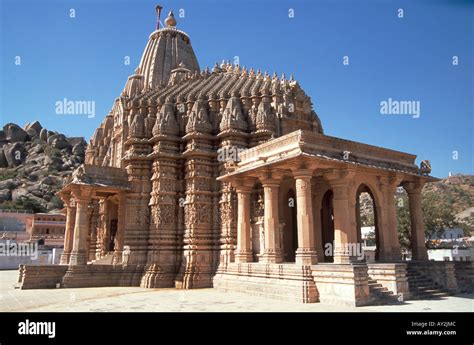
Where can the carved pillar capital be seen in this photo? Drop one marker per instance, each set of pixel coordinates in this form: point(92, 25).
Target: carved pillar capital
point(388, 184)
point(66, 198)
point(271, 177)
point(243, 184)
point(302, 173)
point(413, 187)
point(82, 193)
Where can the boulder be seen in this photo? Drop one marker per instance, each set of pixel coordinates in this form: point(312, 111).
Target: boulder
point(48, 180)
point(79, 150)
point(3, 159)
point(7, 184)
point(15, 154)
point(5, 195)
point(15, 133)
point(35, 125)
point(32, 133)
point(76, 140)
point(38, 148)
point(58, 141)
point(43, 134)
point(19, 193)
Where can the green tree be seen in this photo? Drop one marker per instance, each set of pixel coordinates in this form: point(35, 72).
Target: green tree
point(438, 215)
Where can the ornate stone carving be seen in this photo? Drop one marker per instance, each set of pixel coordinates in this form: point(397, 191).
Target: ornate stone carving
point(79, 175)
point(137, 127)
point(198, 119)
point(425, 167)
point(265, 119)
point(166, 121)
point(232, 117)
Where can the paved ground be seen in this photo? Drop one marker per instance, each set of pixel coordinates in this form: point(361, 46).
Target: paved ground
point(131, 299)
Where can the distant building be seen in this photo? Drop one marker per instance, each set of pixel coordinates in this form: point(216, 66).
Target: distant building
point(14, 224)
point(450, 245)
point(48, 228)
point(23, 226)
point(368, 242)
point(41, 233)
point(451, 254)
point(449, 234)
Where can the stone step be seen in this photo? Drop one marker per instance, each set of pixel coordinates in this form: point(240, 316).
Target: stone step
point(423, 287)
point(429, 295)
point(105, 260)
point(379, 288)
point(418, 279)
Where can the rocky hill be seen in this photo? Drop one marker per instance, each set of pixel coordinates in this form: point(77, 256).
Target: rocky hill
point(34, 165)
point(457, 190)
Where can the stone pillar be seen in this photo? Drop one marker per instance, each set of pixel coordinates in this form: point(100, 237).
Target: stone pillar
point(390, 251)
point(418, 247)
point(82, 197)
point(69, 232)
point(118, 249)
point(345, 233)
point(104, 229)
point(272, 253)
point(90, 231)
point(306, 253)
point(93, 230)
point(244, 247)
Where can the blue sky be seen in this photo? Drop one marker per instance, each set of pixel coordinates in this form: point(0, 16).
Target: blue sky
point(409, 58)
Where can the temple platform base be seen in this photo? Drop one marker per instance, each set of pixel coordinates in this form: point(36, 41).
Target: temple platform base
point(278, 281)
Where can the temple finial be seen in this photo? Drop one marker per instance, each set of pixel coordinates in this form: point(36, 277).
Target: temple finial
point(170, 20)
point(158, 12)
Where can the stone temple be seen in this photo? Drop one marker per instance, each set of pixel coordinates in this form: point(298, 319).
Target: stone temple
point(224, 178)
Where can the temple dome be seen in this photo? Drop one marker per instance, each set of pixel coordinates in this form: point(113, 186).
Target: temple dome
point(166, 48)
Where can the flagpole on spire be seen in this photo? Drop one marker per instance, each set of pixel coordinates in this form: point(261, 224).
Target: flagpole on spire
point(158, 12)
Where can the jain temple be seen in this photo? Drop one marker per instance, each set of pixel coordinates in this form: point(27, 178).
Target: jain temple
point(224, 178)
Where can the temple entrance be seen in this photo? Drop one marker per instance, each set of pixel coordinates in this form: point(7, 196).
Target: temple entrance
point(367, 223)
point(289, 237)
point(113, 233)
point(327, 226)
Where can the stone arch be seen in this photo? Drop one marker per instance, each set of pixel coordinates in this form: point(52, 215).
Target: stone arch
point(365, 188)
